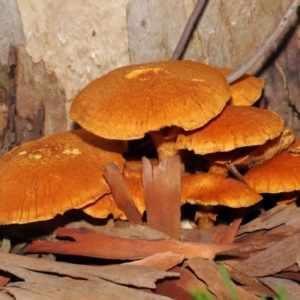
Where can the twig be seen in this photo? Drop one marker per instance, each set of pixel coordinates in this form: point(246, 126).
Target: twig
point(231, 167)
point(188, 29)
point(266, 45)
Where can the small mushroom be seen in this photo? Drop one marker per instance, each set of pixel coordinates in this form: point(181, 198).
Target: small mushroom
point(246, 90)
point(276, 175)
point(209, 189)
point(235, 127)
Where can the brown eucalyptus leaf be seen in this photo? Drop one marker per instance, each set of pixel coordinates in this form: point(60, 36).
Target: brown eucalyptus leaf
point(272, 260)
point(72, 289)
point(291, 289)
point(140, 276)
point(202, 236)
point(272, 218)
point(181, 288)
point(110, 247)
point(5, 296)
point(162, 190)
point(208, 271)
point(160, 261)
point(251, 284)
point(121, 194)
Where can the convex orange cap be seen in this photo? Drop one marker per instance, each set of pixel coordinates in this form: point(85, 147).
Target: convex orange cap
point(130, 101)
point(43, 178)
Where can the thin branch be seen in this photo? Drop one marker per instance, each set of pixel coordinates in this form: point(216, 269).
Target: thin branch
point(188, 29)
point(266, 45)
point(235, 172)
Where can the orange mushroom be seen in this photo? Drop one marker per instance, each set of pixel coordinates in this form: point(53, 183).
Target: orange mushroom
point(235, 127)
point(276, 175)
point(246, 90)
point(185, 94)
point(43, 178)
point(209, 189)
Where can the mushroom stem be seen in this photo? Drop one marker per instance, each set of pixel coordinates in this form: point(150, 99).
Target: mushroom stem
point(164, 147)
point(217, 168)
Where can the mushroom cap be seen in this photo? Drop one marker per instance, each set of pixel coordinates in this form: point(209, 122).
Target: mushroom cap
point(235, 127)
point(266, 151)
point(279, 174)
point(43, 178)
point(214, 189)
point(246, 90)
point(295, 147)
point(130, 101)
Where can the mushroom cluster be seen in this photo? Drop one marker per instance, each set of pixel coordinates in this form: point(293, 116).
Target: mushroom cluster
point(204, 114)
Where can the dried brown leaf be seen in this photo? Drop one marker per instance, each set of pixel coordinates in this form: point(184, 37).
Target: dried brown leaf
point(280, 214)
point(272, 260)
point(140, 276)
point(110, 247)
point(4, 279)
point(295, 276)
point(188, 280)
point(231, 231)
point(184, 285)
point(162, 190)
point(251, 284)
point(291, 289)
point(172, 290)
point(5, 296)
point(160, 261)
point(203, 235)
point(121, 194)
point(207, 270)
point(254, 243)
point(67, 288)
